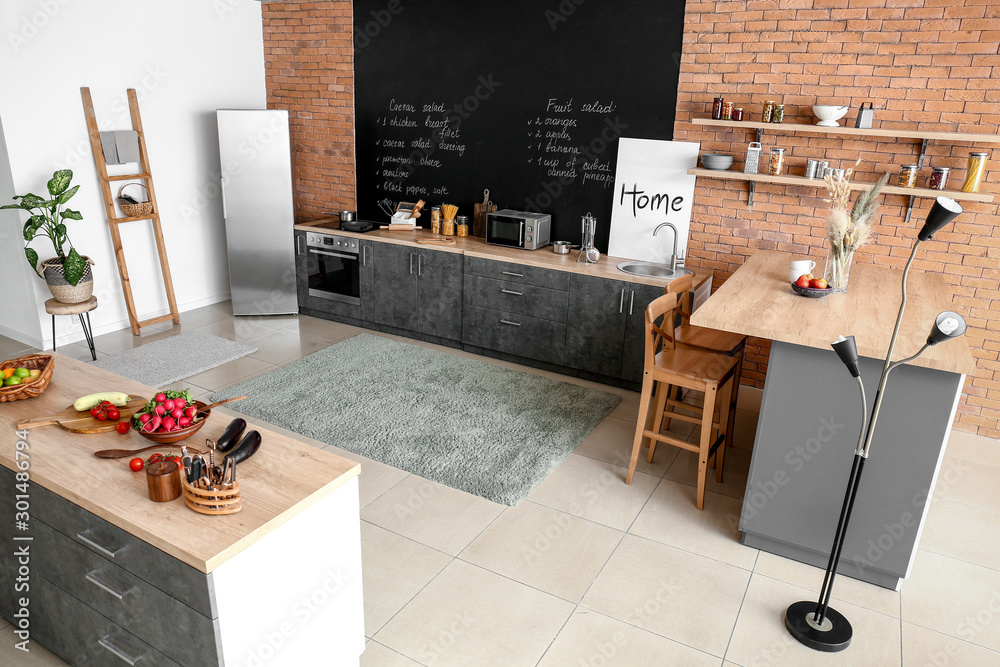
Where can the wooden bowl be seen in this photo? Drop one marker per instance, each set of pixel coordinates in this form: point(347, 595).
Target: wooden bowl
point(182, 434)
point(40, 362)
point(810, 292)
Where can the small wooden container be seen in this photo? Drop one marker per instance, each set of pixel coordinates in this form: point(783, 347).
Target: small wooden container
point(212, 502)
point(163, 481)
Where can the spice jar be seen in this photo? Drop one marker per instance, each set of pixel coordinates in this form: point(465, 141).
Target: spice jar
point(435, 219)
point(463, 225)
point(738, 113)
point(717, 108)
point(727, 111)
point(939, 178)
point(974, 172)
point(907, 176)
point(768, 111)
point(776, 163)
point(778, 113)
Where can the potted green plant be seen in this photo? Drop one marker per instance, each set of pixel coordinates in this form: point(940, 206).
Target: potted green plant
point(68, 273)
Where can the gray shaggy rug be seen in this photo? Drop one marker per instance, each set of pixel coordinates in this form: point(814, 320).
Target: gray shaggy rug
point(481, 428)
point(161, 362)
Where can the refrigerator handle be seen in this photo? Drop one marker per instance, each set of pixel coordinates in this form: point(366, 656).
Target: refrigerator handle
point(225, 214)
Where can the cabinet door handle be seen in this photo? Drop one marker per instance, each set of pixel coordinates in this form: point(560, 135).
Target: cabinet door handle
point(298, 245)
point(411, 263)
point(110, 552)
point(631, 300)
point(420, 271)
point(364, 255)
point(510, 291)
point(621, 302)
point(92, 578)
point(509, 273)
point(107, 641)
point(513, 324)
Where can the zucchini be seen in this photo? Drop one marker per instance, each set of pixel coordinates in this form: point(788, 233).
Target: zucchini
point(85, 403)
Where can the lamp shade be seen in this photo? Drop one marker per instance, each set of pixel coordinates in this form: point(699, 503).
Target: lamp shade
point(847, 350)
point(947, 325)
point(944, 210)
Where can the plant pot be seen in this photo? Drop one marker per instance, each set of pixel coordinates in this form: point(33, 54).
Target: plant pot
point(62, 291)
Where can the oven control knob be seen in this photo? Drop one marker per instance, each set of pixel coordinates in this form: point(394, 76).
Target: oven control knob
point(528, 238)
point(530, 228)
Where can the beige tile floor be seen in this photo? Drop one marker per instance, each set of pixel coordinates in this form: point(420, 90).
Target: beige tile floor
point(588, 571)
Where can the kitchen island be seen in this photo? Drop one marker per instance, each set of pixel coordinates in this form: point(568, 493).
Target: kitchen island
point(811, 413)
point(278, 582)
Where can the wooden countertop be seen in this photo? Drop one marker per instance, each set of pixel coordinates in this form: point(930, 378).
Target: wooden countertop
point(757, 300)
point(470, 246)
point(284, 478)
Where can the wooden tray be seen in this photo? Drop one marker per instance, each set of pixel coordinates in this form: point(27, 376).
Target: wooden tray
point(82, 422)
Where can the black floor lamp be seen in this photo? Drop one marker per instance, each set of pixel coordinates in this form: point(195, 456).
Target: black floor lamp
point(816, 624)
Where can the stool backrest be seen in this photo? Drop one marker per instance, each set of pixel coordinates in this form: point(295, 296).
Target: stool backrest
point(682, 288)
point(660, 326)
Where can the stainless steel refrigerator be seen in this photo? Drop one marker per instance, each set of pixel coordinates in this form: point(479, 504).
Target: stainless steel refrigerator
point(257, 204)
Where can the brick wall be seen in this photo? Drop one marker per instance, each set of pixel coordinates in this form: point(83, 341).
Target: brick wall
point(932, 62)
point(309, 69)
point(935, 63)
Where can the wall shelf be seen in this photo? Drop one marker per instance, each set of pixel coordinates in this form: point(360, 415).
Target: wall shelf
point(870, 132)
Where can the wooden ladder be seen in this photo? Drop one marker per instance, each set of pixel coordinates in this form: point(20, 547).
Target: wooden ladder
point(113, 220)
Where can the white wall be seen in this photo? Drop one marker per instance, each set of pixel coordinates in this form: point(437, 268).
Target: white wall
point(185, 58)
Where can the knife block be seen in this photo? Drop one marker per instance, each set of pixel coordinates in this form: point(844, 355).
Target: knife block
point(212, 502)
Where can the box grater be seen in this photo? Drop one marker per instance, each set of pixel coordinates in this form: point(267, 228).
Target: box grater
point(865, 116)
point(753, 158)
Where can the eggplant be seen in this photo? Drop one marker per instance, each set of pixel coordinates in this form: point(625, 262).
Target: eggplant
point(248, 447)
point(231, 436)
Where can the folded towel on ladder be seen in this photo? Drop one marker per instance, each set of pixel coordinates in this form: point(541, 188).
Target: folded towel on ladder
point(109, 146)
point(127, 144)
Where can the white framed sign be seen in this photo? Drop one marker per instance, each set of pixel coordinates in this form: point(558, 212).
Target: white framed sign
point(652, 186)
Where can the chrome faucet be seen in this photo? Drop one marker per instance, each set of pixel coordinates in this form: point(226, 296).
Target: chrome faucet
point(673, 257)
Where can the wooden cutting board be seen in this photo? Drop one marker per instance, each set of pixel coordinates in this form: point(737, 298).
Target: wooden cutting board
point(82, 422)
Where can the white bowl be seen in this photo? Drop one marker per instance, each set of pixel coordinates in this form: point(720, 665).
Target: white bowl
point(717, 161)
point(829, 115)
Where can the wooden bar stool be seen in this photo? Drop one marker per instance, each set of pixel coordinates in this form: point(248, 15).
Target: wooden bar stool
point(53, 308)
point(689, 336)
point(668, 365)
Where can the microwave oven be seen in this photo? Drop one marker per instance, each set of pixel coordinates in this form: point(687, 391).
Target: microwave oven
point(518, 229)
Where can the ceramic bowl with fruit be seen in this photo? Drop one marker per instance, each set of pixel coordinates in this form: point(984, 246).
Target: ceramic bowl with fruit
point(170, 417)
point(813, 288)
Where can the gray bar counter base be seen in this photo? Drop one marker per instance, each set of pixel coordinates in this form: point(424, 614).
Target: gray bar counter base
point(808, 428)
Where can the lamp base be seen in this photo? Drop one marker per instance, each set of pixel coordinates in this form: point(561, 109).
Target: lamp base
point(833, 635)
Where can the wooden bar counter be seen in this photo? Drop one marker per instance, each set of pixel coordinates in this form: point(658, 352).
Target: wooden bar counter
point(811, 413)
point(133, 571)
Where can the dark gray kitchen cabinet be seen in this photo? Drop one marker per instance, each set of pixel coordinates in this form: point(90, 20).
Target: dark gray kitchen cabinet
point(634, 349)
point(418, 290)
point(367, 281)
point(595, 335)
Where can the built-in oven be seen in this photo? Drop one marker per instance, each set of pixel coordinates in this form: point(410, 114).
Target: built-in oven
point(334, 267)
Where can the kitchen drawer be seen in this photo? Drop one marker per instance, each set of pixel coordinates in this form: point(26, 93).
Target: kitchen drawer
point(523, 299)
point(136, 605)
point(517, 273)
point(81, 636)
point(187, 584)
point(509, 332)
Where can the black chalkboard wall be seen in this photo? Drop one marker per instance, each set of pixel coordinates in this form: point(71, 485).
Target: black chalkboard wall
point(525, 98)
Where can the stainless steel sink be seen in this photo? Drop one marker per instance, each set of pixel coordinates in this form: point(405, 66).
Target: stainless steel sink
point(651, 270)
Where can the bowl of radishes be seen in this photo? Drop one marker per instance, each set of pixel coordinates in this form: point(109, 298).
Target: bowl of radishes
point(170, 417)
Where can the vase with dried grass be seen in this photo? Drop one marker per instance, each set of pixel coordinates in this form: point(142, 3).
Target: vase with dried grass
point(847, 230)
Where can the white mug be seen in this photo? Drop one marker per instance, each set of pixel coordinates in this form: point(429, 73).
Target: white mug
point(799, 267)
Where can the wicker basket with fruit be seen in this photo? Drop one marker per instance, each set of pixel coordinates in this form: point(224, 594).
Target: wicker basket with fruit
point(25, 377)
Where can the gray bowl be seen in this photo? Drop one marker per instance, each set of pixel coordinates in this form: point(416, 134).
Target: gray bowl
point(717, 161)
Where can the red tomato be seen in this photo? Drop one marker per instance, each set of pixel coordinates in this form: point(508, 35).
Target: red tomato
point(101, 416)
point(114, 414)
point(136, 464)
point(94, 411)
point(122, 427)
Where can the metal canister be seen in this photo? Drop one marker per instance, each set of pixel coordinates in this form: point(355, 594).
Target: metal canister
point(974, 172)
point(939, 178)
point(768, 111)
point(463, 225)
point(907, 176)
point(727, 111)
point(812, 168)
point(776, 163)
point(717, 108)
point(436, 219)
point(738, 113)
point(778, 113)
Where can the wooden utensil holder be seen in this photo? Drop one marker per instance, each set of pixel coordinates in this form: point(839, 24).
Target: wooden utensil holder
point(225, 501)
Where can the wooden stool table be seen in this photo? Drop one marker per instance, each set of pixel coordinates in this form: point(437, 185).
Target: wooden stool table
point(53, 308)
